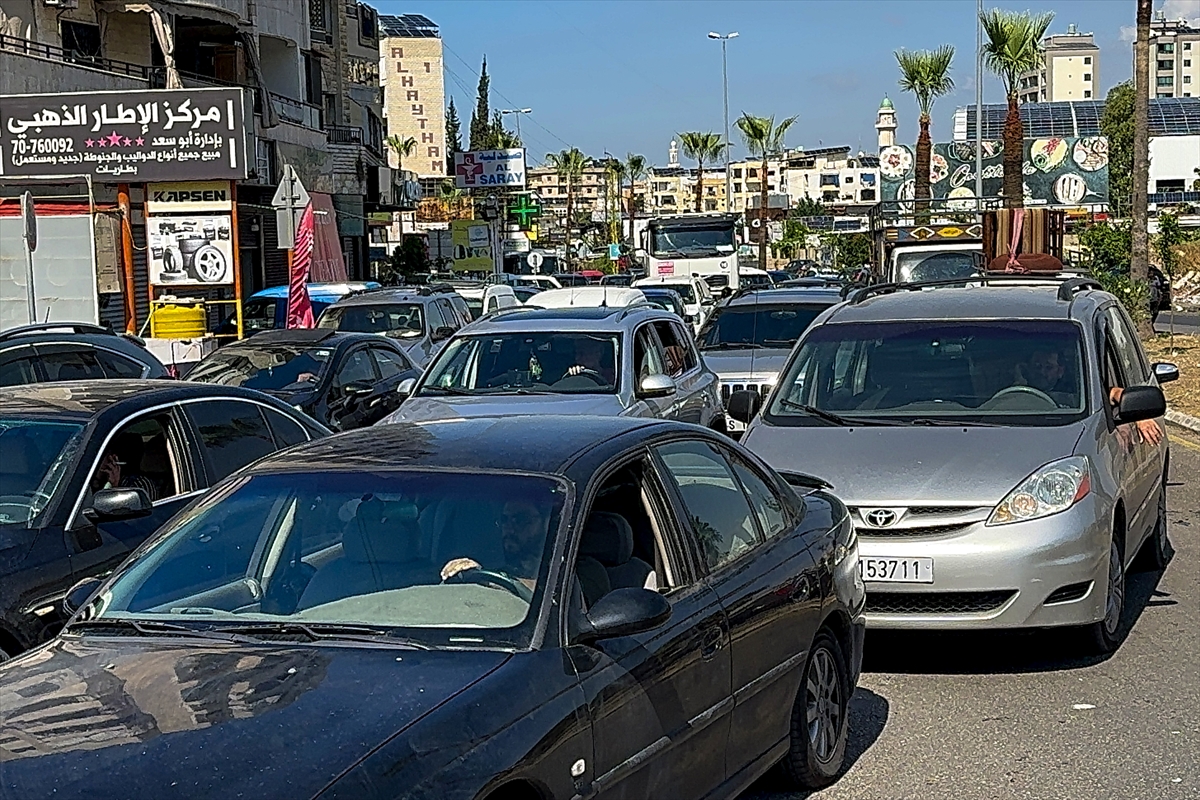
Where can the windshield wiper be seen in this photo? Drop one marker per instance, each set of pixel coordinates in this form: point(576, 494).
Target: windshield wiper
point(449, 390)
point(836, 419)
point(316, 631)
point(150, 627)
point(950, 423)
point(733, 346)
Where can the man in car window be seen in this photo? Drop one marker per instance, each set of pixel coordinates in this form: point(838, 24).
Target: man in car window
point(111, 474)
point(594, 357)
point(523, 528)
point(1043, 371)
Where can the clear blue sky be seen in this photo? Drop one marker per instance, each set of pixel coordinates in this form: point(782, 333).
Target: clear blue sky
point(627, 75)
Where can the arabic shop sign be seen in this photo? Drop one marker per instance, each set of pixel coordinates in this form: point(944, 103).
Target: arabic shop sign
point(125, 137)
point(477, 168)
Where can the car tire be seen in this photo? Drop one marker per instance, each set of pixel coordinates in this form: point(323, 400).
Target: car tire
point(820, 727)
point(1104, 637)
point(1156, 551)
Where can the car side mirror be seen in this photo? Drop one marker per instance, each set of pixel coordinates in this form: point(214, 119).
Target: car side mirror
point(442, 333)
point(624, 612)
point(406, 386)
point(656, 385)
point(78, 595)
point(1141, 402)
point(357, 389)
point(1165, 372)
point(744, 405)
point(109, 505)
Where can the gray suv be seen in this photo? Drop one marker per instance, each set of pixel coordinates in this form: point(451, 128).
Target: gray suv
point(748, 337)
point(636, 361)
point(420, 319)
point(1000, 447)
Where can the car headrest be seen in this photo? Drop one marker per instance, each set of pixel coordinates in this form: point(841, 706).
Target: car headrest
point(382, 533)
point(608, 538)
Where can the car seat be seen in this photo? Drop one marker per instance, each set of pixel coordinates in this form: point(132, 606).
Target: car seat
point(608, 539)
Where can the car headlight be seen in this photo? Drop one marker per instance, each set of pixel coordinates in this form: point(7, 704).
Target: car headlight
point(1050, 489)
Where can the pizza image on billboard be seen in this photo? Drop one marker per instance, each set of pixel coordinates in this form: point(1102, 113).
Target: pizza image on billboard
point(190, 250)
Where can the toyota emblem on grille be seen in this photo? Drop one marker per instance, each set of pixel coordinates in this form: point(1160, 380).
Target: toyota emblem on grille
point(881, 517)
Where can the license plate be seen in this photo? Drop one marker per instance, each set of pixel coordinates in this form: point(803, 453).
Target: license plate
point(895, 570)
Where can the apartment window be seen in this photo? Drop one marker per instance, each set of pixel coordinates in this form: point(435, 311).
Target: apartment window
point(1087, 60)
point(318, 15)
point(82, 41)
point(1165, 94)
point(829, 180)
point(1165, 65)
point(1187, 45)
point(1187, 78)
point(753, 173)
point(1166, 80)
point(1087, 77)
point(264, 160)
point(1168, 47)
point(867, 195)
point(737, 173)
point(1087, 93)
point(1187, 62)
point(367, 31)
point(849, 179)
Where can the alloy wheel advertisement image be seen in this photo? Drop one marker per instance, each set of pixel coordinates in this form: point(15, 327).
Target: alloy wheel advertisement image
point(190, 250)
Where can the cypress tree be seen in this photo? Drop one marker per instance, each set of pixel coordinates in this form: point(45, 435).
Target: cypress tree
point(481, 118)
point(453, 136)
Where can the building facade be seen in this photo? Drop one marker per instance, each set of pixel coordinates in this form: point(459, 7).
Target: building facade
point(414, 90)
point(1174, 58)
point(1070, 70)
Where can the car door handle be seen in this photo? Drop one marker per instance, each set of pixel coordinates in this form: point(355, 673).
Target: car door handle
point(801, 589)
point(711, 643)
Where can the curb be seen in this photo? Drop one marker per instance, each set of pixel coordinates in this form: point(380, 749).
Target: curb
point(1184, 420)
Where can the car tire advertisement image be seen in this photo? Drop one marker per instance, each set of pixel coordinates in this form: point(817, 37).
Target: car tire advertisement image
point(190, 250)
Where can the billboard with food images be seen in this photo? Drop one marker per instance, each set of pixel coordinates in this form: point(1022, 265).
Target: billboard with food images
point(1065, 171)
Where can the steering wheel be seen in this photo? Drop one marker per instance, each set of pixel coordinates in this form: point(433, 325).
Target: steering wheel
point(487, 577)
point(590, 374)
point(1022, 390)
point(17, 503)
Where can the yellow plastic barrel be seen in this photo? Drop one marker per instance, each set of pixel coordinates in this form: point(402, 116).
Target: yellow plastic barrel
point(178, 321)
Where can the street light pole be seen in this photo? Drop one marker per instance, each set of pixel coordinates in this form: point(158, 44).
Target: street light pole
point(518, 112)
point(979, 105)
point(725, 89)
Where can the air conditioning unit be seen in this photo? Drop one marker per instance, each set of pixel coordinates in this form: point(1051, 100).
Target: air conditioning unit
point(61, 4)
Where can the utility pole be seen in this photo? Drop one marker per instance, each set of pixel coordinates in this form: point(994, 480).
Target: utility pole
point(979, 105)
point(724, 40)
point(1139, 262)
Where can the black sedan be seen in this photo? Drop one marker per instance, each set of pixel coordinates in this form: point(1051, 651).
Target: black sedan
point(343, 380)
point(89, 469)
point(73, 351)
point(490, 608)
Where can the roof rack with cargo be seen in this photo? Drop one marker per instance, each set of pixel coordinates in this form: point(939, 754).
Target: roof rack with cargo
point(1069, 284)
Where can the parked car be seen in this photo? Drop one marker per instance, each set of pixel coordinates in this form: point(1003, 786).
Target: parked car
point(697, 298)
point(267, 310)
point(483, 298)
point(421, 319)
point(974, 434)
point(754, 278)
point(667, 299)
point(523, 293)
point(91, 468)
point(342, 380)
point(567, 279)
point(72, 351)
point(540, 281)
point(634, 361)
point(619, 279)
point(631, 608)
point(588, 297)
point(748, 337)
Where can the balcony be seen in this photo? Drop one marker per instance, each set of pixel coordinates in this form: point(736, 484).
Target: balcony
point(297, 112)
point(28, 67)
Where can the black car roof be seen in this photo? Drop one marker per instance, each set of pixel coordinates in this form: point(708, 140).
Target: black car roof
point(88, 398)
point(542, 444)
point(303, 336)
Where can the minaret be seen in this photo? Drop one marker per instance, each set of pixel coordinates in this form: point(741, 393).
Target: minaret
point(885, 124)
point(673, 154)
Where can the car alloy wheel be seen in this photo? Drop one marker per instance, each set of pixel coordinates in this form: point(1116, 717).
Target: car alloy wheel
point(1114, 601)
point(209, 264)
point(819, 717)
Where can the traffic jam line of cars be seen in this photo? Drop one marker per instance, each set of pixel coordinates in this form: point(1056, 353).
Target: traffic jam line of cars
point(205, 591)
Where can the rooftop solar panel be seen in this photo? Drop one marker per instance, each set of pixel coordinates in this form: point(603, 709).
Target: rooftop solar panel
point(408, 26)
point(1169, 116)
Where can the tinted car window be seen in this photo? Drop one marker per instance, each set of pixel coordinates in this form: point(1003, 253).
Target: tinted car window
point(15, 371)
point(389, 362)
point(1126, 347)
point(675, 351)
point(398, 320)
point(357, 368)
point(647, 356)
point(773, 326)
point(570, 363)
point(720, 516)
point(118, 366)
point(767, 505)
point(264, 367)
point(36, 453)
point(69, 363)
point(286, 430)
point(258, 315)
point(436, 319)
point(234, 434)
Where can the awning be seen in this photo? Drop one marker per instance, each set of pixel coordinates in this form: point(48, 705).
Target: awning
point(327, 263)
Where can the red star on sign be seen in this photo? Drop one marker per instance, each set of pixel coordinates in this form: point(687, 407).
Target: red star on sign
point(469, 169)
point(103, 143)
point(114, 138)
point(89, 142)
point(139, 141)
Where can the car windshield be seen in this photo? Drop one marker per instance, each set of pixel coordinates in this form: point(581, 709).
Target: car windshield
point(774, 326)
point(475, 306)
point(1017, 372)
point(259, 315)
point(914, 267)
point(36, 455)
point(685, 290)
point(754, 281)
point(711, 239)
point(665, 301)
point(352, 549)
point(397, 320)
point(523, 363)
point(274, 367)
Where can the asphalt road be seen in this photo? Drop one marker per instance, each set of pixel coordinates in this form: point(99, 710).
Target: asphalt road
point(1019, 716)
point(1188, 323)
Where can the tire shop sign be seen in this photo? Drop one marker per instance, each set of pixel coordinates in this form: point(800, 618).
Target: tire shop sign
point(190, 250)
point(125, 137)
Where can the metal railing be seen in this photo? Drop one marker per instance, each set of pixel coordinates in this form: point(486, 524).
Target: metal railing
point(344, 134)
point(297, 112)
point(49, 52)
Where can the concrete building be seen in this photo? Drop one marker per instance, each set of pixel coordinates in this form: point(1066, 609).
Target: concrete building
point(1070, 70)
point(832, 175)
point(1174, 58)
point(414, 90)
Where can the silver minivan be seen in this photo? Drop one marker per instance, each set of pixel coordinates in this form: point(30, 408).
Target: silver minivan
point(1000, 446)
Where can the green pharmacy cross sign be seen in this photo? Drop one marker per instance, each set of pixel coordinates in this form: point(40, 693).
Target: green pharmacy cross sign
point(524, 211)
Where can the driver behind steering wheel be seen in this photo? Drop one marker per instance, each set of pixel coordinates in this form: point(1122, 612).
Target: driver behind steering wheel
point(523, 528)
point(1044, 371)
point(593, 356)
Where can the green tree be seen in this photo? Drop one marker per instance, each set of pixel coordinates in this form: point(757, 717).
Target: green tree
point(764, 139)
point(1107, 245)
point(569, 164)
point(403, 147)
point(636, 169)
point(481, 118)
point(850, 250)
point(453, 136)
point(1116, 123)
point(500, 137)
point(808, 207)
point(795, 238)
point(408, 260)
point(1011, 47)
point(701, 147)
point(926, 74)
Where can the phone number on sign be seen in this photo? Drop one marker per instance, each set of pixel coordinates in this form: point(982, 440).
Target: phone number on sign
point(25, 147)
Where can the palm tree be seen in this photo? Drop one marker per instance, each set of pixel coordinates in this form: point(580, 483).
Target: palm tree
point(569, 164)
point(1012, 48)
point(701, 147)
point(925, 73)
point(402, 147)
point(636, 169)
point(1139, 263)
point(764, 139)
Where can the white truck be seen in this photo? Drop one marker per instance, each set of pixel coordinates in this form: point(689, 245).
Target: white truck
point(929, 262)
point(704, 245)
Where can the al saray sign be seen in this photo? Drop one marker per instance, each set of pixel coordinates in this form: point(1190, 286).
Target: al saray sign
point(481, 168)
